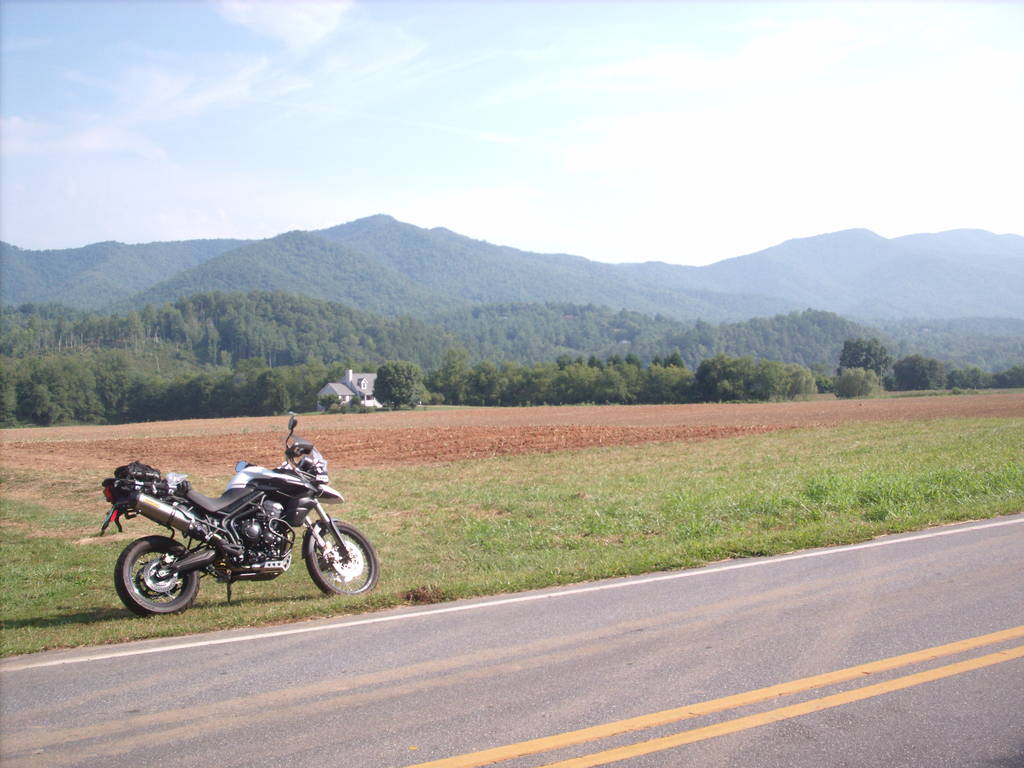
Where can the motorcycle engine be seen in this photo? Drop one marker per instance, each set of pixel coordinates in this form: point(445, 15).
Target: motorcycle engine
point(265, 534)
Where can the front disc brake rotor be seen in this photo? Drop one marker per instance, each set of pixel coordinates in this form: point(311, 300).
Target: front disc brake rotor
point(350, 570)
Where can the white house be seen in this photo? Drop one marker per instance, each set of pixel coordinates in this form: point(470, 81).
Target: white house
point(355, 387)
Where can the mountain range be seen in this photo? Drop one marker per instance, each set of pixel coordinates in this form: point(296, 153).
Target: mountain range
point(386, 266)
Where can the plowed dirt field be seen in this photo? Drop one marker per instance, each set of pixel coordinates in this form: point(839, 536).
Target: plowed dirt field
point(441, 435)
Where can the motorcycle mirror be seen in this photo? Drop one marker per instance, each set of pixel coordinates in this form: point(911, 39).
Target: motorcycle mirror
point(292, 422)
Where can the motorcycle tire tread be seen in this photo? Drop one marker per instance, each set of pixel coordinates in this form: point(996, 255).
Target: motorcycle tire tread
point(373, 563)
point(163, 544)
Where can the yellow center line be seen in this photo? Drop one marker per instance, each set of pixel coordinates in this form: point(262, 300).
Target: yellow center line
point(785, 713)
point(642, 722)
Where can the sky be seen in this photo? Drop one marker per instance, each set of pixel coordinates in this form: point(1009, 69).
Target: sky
point(683, 132)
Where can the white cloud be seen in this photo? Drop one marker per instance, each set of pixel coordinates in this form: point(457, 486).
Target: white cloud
point(140, 98)
point(299, 25)
point(154, 95)
point(26, 138)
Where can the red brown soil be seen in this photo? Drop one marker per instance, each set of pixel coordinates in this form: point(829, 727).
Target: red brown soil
point(442, 435)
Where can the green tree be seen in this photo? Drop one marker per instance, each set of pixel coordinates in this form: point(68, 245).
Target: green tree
point(918, 372)
point(666, 384)
point(451, 379)
point(802, 382)
point(36, 405)
point(865, 353)
point(1011, 377)
point(399, 384)
point(272, 392)
point(113, 379)
point(612, 386)
point(770, 381)
point(483, 386)
point(8, 394)
point(722, 378)
point(969, 378)
point(857, 382)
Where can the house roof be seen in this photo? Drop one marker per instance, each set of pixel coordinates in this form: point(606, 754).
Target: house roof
point(339, 388)
point(358, 385)
point(364, 381)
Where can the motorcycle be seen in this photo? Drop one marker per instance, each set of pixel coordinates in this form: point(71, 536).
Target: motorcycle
point(244, 535)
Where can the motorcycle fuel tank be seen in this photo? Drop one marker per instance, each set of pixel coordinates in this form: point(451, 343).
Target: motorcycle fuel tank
point(246, 474)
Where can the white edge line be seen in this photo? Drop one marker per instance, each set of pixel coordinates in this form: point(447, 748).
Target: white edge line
point(629, 582)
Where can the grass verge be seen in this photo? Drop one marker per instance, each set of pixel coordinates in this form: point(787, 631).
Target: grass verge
point(521, 522)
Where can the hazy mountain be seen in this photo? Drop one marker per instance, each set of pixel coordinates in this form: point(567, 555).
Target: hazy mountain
point(475, 272)
point(962, 273)
point(97, 275)
point(301, 263)
point(964, 243)
point(386, 266)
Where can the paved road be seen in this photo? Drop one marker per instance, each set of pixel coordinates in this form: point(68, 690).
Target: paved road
point(905, 651)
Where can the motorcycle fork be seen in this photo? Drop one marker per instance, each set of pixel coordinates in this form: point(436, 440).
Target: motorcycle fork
point(330, 525)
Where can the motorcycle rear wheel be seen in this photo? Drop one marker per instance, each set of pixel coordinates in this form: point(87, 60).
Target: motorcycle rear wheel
point(359, 571)
point(144, 582)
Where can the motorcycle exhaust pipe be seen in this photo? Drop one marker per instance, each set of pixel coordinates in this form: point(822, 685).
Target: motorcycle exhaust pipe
point(195, 561)
point(165, 514)
point(172, 517)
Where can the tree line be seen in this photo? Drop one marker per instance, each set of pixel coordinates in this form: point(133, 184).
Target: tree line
point(616, 380)
point(216, 355)
point(222, 329)
point(101, 387)
point(867, 366)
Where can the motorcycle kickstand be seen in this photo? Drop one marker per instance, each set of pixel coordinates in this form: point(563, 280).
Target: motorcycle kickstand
point(229, 591)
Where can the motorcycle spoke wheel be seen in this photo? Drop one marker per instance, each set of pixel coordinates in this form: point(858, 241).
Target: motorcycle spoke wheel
point(145, 582)
point(336, 571)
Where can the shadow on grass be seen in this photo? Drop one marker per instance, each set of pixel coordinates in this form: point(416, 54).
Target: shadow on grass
point(85, 617)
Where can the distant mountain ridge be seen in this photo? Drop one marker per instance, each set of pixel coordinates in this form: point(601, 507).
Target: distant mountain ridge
point(386, 266)
point(100, 274)
point(961, 273)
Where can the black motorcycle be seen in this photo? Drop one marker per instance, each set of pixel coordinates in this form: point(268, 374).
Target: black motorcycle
point(244, 535)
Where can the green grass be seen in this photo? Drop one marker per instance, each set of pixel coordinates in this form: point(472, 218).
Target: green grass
point(520, 522)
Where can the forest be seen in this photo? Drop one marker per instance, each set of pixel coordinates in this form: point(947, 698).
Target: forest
point(101, 387)
point(259, 353)
point(223, 329)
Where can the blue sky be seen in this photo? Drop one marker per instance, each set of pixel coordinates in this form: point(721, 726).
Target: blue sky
point(685, 132)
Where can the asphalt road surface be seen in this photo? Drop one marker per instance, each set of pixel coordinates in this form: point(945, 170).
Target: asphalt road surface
point(903, 651)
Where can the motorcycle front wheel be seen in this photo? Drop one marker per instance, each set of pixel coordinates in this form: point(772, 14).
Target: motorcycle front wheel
point(348, 569)
point(146, 583)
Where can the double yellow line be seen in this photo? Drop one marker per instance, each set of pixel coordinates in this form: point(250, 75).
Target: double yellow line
point(668, 716)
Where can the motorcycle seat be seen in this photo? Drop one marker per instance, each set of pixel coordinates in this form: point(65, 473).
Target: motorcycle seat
point(217, 505)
